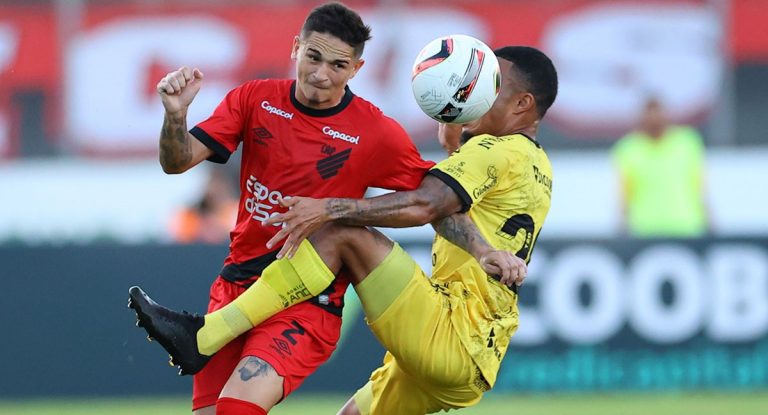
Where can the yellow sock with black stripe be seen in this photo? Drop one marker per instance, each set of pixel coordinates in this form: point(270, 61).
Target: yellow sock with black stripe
point(283, 283)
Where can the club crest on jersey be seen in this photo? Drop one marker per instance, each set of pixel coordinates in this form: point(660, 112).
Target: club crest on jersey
point(330, 166)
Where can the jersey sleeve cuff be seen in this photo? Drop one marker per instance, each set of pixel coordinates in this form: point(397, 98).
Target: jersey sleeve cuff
point(220, 153)
point(466, 200)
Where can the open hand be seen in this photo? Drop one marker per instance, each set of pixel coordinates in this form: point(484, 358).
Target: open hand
point(304, 216)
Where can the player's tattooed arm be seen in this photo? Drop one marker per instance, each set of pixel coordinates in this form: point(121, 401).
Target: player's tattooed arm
point(175, 143)
point(180, 150)
point(462, 232)
point(432, 200)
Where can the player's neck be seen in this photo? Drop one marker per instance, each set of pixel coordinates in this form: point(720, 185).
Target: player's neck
point(317, 105)
point(529, 128)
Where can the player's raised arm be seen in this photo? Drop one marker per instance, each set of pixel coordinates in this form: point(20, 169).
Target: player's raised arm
point(179, 150)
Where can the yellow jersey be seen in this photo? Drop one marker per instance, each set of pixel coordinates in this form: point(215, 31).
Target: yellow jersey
point(505, 183)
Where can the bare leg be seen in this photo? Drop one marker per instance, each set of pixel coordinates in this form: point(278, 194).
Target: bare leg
point(256, 381)
point(358, 249)
point(349, 408)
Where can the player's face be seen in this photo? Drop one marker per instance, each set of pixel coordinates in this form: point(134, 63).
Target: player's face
point(512, 101)
point(324, 65)
point(653, 120)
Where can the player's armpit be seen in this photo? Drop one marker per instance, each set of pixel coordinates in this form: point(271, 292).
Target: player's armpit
point(440, 197)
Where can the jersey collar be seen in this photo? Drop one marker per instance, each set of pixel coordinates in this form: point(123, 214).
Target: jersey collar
point(536, 143)
point(312, 112)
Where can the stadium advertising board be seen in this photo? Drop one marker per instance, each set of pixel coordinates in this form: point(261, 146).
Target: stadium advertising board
point(642, 316)
point(610, 56)
point(595, 316)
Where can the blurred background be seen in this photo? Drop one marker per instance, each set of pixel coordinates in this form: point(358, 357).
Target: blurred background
point(662, 109)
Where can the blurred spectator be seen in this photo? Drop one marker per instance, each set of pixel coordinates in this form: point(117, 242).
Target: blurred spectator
point(661, 168)
point(210, 219)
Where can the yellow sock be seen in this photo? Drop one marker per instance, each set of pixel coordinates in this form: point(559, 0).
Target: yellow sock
point(283, 283)
point(222, 326)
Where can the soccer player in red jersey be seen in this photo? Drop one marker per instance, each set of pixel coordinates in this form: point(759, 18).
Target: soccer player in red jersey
point(312, 137)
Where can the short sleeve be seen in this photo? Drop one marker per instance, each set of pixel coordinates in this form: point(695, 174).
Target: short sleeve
point(397, 164)
point(475, 169)
point(222, 131)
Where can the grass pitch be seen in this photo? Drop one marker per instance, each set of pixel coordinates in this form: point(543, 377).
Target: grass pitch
point(755, 403)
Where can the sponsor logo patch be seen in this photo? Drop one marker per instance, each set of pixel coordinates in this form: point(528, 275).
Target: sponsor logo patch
point(276, 111)
point(338, 135)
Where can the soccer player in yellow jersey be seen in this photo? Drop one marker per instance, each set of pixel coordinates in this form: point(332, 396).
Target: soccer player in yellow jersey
point(446, 335)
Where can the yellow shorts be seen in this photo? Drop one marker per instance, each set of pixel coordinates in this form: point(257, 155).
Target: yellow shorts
point(426, 368)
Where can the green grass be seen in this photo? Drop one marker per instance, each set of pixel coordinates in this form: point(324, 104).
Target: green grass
point(494, 404)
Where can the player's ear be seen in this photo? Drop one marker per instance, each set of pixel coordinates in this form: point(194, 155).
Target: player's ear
point(356, 67)
point(295, 47)
point(525, 102)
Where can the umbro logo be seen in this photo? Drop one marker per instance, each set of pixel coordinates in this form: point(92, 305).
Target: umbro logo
point(260, 135)
point(291, 336)
point(330, 166)
point(281, 346)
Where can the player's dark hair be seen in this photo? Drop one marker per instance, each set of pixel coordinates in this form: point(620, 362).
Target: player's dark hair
point(537, 71)
point(340, 21)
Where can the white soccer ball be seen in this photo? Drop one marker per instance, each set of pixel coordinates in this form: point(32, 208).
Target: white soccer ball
point(455, 79)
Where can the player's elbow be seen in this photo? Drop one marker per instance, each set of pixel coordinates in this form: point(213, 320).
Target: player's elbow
point(170, 168)
point(424, 211)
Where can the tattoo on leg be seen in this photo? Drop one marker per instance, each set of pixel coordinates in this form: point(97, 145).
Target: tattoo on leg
point(254, 367)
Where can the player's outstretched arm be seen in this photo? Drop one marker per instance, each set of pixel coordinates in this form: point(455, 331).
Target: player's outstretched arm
point(179, 150)
point(432, 200)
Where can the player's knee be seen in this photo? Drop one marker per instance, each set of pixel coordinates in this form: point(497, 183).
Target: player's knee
point(338, 236)
point(327, 235)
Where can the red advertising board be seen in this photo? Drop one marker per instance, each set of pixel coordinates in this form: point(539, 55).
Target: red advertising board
point(96, 67)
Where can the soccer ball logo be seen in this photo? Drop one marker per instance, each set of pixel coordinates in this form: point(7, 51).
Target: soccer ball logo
point(455, 79)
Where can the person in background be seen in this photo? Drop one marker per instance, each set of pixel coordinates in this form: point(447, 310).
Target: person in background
point(210, 218)
point(661, 169)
